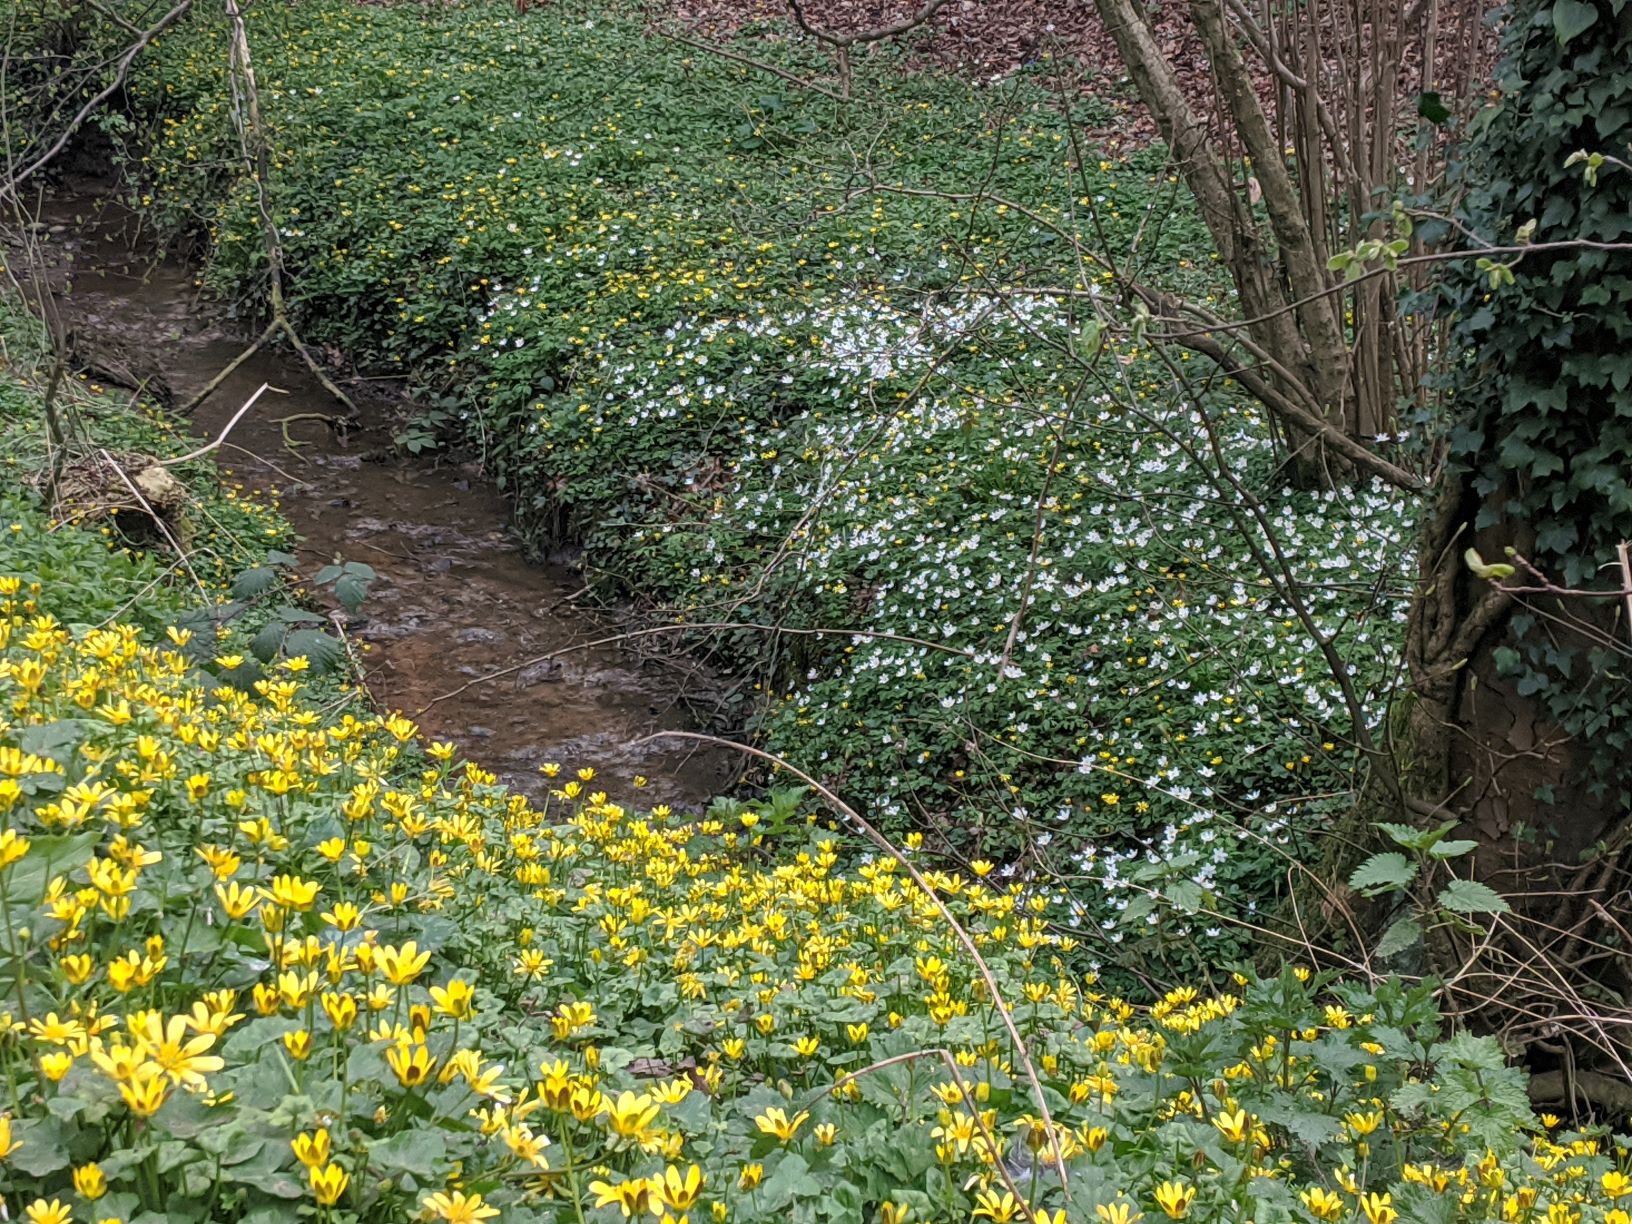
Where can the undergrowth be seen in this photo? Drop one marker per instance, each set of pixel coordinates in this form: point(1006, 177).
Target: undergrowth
point(762, 357)
point(267, 955)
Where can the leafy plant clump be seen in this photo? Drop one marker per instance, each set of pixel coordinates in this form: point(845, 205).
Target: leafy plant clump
point(265, 958)
point(759, 354)
point(267, 955)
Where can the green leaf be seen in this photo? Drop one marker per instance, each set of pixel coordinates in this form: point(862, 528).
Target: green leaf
point(411, 1151)
point(1475, 562)
point(1571, 18)
point(264, 645)
point(1386, 872)
point(1413, 838)
point(48, 857)
point(1431, 108)
point(791, 1180)
point(1400, 936)
point(352, 587)
point(1454, 848)
point(351, 582)
point(1472, 897)
point(257, 580)
point(322, 651)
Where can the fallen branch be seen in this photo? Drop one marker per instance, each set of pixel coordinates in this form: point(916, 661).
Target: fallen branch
point(226, 429)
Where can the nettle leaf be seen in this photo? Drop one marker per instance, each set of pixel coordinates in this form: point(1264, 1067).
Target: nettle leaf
point(1472, 897)
point(1572, 18)
point(1389, 871)
point(1413, 838)
point(1400, 937)
point(1453, 848)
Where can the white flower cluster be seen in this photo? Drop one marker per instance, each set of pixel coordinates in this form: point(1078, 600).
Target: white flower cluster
point(1066, 628)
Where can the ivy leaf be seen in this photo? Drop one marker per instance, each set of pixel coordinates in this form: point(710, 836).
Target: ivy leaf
point(1472, 897)
point(1386, 872)
point(1431, 108)
point(1572, 17)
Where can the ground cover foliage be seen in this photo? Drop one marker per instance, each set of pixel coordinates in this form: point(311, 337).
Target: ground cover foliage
point(269, 955)
point(725, 334)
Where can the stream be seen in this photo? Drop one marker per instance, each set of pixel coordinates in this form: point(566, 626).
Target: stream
point(455, 600)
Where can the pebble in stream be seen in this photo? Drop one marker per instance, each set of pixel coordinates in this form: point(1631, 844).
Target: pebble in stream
point(455, 600)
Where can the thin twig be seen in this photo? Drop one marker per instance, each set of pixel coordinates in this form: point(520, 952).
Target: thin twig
point(884, 844)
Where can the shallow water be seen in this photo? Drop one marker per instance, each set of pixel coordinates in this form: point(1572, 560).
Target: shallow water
point(455, 599)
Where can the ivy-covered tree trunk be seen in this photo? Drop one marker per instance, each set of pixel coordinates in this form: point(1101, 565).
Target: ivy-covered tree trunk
point(1521, 724)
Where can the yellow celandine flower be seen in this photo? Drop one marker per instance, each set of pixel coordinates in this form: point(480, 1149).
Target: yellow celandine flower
point(750, 1176)
point(672, 1092)
point(292, 892)
point(998, 1206)
point(54, 1212)
point(1174, 1198)
point(411, 1063)
point(455, 1207)
point(328, 1183)
point(1379, 1208)
point(312, 1150)
point(1616, 1184)
point(1117, 1213)
point(680, 1191)
point(145, 1091)
point(184, 1059)
point(341, 1009)
point(343, 917)
point(13, 848)
point(8, 1145)
point(894, 1213)
point(402, 965)
point(236, 899)
point(454, 999)
point(299, 1044)
point(1324, 1204)
point(56, 1064)
point(775, 1121)
point(1363, 1124)
point(632, 1197)
point(630, 1115)
point(89, 1181)
point(526, 1145)
point(1234, 1125)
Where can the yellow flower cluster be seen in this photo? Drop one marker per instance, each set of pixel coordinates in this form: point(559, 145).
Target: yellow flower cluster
point(271, 950)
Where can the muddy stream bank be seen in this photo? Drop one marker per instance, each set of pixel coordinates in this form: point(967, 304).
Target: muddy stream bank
point(455, 599)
